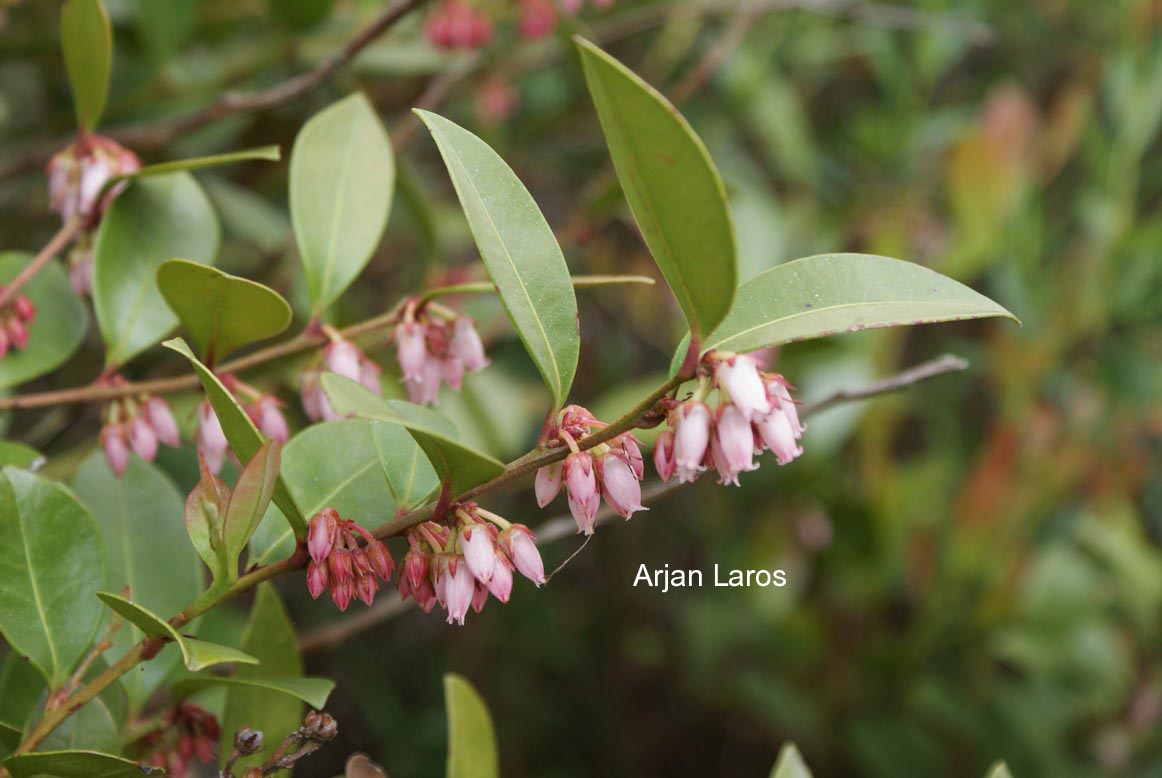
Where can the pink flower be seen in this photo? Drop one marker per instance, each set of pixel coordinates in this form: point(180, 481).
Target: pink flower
point(479, 554)
point(316, 578)
point(340, 566)
point(620, 486)
point(733, 445)
point(267, 416)
point(664, 455)
point(322, 534)
point(537, 19)
point(633, 454)
point(691, 438)
point(116, 448)
point(413, 572)
point(342, 592)
point(78, 173)
point(343, 357)
point(212, 442)
point(365, 588)
point(519, 542)
point(584, 497)
point(479, 596)
point(162, 420)
point(501, 582)
point(777, 388)
point(17, 333)
point(381, 561)
point(466, 344)
point(548, 483)
point(24, 309)
point(452, 370)
point(369, 376)
point(459, 587)
point(314, 400)
point(739, 378)
point(777, 434)
point(428, 389)
point(411, 350)
point(142, 438)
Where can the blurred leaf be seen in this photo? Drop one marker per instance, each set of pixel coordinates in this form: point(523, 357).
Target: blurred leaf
point(21, 688)
point(17, 454)
point(465, 467)
point(999, 770)
point(204, 512)
point(301, 14)
point(471, 741)
point(59, 327)
point(673, 189)
point(165, 27)
point(409, 474)
point(268, 153)
point(270, 636)
point(790, 763)
point(312, 691)
point(518, 248)
point(90, 728)
point(87, 43)
point(249, 498)
point(51, 565)
point(76, 764)
point(151, 221)
point(244, 438)
point(342, 173)
point(140, 516)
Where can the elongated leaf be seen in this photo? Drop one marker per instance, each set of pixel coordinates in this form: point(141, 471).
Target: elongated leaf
point(76, 764)
point(831, 293)
point(59, 327)
point(243, 436)
point(21, 688)
point(267, 153)
point(197, 654)
point(204, 513)
point(221, 312)
point(18, 455)
point(151, 221)
point(312, 691)
point(410, 476)
point(672, 186)
point(270, 636)
point(87, 41)
point(342, 173)
point(471, 740)
point(465, 467)
point(140, 517)
point(249, 499)
point(518, 248)
point(51, 566)
point(91, 728)
point(790, 763)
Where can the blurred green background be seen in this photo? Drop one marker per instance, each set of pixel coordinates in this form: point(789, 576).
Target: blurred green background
point(974, 565)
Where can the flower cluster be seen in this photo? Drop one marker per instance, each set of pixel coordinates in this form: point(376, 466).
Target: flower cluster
point(435, 345)
point(186, 732)
point(78, 173)
point(14, 322)
point(457, 24)
point(612, 470)
point(346, 359)
point(461, 565)
point(136, 425)
point(265, 410)
point(756, 412)
point(339, 562)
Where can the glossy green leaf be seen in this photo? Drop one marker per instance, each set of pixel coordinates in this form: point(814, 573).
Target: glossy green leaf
point(21, 690)
point(244, 438)
point(518, 248)
point(270, 636)
point(832, 293)
point(672, 186)
point(471, 740)
point(151, 221)
point(51, 566)
point(274, 539)
point(312, 691)
point(197, 654)
point(91, 728)
point(18, 455)
point(87, 42)
point(140, 516)
point(76, 764)
point(221, 312)
point(342, 173)
point(249, 498)
point(204, 511)
point(59, 327)
point(409, 474)
point(262, 153)
point(464, 466)
point(790, 763)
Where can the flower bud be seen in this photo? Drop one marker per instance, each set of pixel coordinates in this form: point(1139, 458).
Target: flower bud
point(584, 497)
point(777, 388)
point(24, 309)
point(369, 376)
point(664, 455)
point(161, 419)
point(380, 559)
point(316, 578)
point(340, 566)
point(116, 448)
point(359, 561)
point(739, 378)
point(475, 544)
point(633, 454)
point(777, 434)
point(691, 439)
point(322, 533)
point(537, 19)
point(411, 350)
point(479, 597)
point(519, 542)
point(315, 404)
point(620, 486)
point(4, 342)
point(365, 588)
point(500, 585)
point(267, 416)
point(466, 344)
point(204, 747)
point(320, 726)
point(414, 571)
point(142, 438)
point(548, 483)
point(248, 741)
point(342, 592)
point(427, 390)
point(212, 442)
point(78, 173)
point(452, 370)
point(17, 333)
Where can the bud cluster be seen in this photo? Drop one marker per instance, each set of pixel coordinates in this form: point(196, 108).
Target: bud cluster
point(346, 359)
point(15, 319)
point(136, 425)
point(756, 413)
point(186, 732)
point(339, 562)
point(78, 173)
point(434, 345)
point(612, 470)
point(458, 24)
point(458, 567)
point(264, 409)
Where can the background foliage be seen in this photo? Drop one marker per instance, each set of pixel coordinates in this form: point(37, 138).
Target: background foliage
point(974, 565)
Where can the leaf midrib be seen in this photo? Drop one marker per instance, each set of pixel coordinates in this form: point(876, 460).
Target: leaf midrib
point(36, 591)
point(340, 198)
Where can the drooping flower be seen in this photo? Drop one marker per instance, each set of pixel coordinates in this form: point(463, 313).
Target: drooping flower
point(519, 543)
point(116, 448)
point(584, 495)
point(619, 485)
point(691, 439)
point(212, 443)
point(78, 173)
point(548, 483)
point(739, 378)
point(733, 444)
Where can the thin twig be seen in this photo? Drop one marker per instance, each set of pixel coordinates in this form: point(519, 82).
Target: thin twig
point(55, 246)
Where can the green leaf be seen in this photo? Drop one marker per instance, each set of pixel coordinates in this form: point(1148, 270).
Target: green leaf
point(518, 248)
point(790, 763)
point(409, 474)
point(76, 764)
point(270, 636)
point(672, 186)
point(999, 770)
point(197, 654)
point(140, 517)
point(90, 728)
point(465, 467)
point(248, 500)
point(59, 327)
point(51, 565)
point(832, 293)
point(204, 511)
point(18, 454)
point(266, 153)
point(301, 14)
point(243, 436)
point(21, 689)
point(87, 42)
point(221, 312)
point(151, 221)
point(471, 740)
point(342, 173)
point(312, 691)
